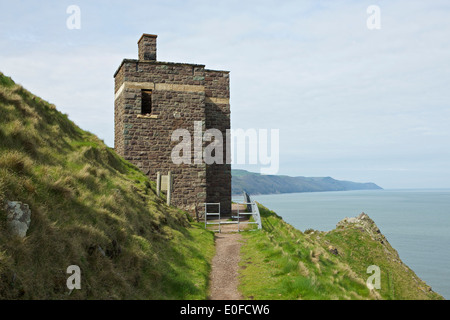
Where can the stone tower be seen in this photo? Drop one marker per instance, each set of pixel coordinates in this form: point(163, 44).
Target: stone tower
point(154, 98)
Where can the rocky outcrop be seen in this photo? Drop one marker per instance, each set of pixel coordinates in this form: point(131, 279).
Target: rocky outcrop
point(18, 217)
point(364, 223)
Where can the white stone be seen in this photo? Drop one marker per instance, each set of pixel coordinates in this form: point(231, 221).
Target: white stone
point(18, 217)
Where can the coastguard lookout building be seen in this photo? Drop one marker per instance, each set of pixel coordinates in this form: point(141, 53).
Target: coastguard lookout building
point(152, 100)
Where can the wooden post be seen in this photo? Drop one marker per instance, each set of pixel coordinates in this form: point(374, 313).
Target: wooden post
point(158, 183)
point(169, 188)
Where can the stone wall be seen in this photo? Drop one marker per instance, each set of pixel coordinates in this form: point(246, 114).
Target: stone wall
point(218, 176)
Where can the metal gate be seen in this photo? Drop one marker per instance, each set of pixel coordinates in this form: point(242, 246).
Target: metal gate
point(251, 208)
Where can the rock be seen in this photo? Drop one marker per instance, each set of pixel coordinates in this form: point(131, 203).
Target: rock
point(102, 252)
point(365, 224)
point(333, 250)
point(18, 217)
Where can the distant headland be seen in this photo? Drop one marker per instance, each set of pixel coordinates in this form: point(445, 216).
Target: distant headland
point(255, 183)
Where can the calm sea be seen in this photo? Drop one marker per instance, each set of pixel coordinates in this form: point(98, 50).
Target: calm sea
point(415, 222)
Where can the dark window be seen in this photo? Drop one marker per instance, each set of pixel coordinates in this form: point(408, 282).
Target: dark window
point(146, 107)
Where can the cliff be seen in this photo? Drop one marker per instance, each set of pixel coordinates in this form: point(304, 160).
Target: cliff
point(281, 262)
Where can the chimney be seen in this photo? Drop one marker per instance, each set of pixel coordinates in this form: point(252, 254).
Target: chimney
point(147, 47)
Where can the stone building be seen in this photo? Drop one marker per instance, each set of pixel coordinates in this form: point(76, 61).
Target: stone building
point(154, 98)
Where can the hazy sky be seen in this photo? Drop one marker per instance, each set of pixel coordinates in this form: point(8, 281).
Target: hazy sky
point(349, 102)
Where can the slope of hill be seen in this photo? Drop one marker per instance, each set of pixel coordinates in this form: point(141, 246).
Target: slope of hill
point(92, 209)
point(255, 183)
point(281, 262)
point(89, 208)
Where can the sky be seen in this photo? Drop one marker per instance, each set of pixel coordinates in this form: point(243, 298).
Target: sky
point(349, 101)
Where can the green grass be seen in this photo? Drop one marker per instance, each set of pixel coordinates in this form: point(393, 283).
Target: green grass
point(83, 197)
point(398, 282)
point(95, 210)
point(281, 262)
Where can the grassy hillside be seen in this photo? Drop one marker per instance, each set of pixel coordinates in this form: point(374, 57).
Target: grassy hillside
point(282, 262)
point(89, 208)
point(93, 209)
point(255, 183)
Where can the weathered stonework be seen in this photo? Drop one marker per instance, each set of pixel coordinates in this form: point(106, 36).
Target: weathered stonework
point(181, 94)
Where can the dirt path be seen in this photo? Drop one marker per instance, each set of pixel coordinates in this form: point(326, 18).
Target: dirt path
point(224, 274)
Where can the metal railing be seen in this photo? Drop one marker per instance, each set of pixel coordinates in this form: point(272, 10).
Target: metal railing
point(254, 213)
point(251, 208)
point(216, 214)
point(257, 216)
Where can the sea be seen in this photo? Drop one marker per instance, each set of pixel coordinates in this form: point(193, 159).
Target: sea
point(416, 222)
